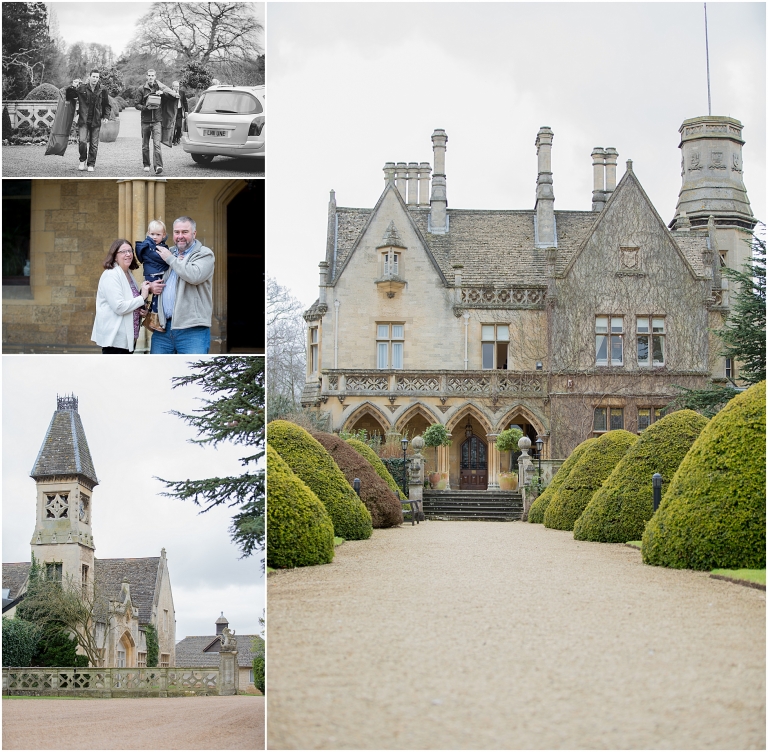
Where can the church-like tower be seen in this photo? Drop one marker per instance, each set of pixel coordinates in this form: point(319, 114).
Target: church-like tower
point(65, 477)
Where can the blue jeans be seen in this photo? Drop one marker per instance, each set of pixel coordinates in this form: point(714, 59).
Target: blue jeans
point(193, 341)
point(155, 130)
point(88, 143)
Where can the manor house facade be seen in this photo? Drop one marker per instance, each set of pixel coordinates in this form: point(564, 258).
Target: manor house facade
point(128, 593)
point(564, 323)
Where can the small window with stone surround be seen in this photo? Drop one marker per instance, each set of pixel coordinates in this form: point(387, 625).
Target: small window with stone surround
point(54, 571)
point(314, 348)
point(85, 503)
point(609, 340)
point(651, 333)
point(391, 262)
point(121, 658)
point(142, 660)
point(57, 506)
point(608, 419)
point(495, 346)
point(165, 660)
point(84, 577)
point(646, 416)
point(390, 341)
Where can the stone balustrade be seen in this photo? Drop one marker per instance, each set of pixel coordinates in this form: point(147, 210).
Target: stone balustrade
point(31, 111)
point(343, 382)
point(115, 682)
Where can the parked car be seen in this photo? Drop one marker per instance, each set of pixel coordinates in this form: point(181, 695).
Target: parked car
point(227, 121)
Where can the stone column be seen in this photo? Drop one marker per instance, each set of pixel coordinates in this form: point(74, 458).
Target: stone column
point(413, 183)
point(494, 462)
point(444, 463)
point(424, 173)
point(228, 670)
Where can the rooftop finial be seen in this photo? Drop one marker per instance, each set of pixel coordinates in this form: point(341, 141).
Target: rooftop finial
point(66, 403)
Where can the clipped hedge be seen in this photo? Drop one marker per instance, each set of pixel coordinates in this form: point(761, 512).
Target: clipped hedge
point(539, 506)
point(593, 467)
point(377, 496)
point(378, 465)
point(307, 458)
point(622, 506)
point(299, 528)
point(713, 515)
point(43, 93)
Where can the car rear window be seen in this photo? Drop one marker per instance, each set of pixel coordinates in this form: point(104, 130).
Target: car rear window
point(229, 103)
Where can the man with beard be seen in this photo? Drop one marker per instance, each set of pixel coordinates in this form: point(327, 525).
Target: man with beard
point(186, 304)
point(94, 109)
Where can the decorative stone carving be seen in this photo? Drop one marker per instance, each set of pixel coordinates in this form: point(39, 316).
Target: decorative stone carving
point(480, 297)
point(469, 384)
point(417, 383)
point(695, 161)
point(367, 383)
point(57, 506)
point(736, 166)
point(717, 161)
point(228, 641)
point(629, 258)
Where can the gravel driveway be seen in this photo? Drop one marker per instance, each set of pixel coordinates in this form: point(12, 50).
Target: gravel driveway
point(141, 723)
point(482, 635)
point(122, 159)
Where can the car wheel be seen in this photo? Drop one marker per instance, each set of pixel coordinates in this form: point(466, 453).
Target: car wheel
point(203, 158)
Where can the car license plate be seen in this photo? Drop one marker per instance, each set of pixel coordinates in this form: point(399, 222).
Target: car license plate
point(209, 132)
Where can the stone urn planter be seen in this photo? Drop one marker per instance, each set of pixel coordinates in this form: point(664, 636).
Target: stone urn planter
point(438, 481)
point(109, 131)
point(508, 481)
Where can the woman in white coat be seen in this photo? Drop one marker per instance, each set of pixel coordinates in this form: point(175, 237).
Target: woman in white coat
point(118, 301)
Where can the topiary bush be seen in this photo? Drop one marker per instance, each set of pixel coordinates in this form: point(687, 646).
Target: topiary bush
point(536, 512)
point(594, 466)
point(713, 514)
point(299, 528)
point(377, 496)
point(622, 506)
point(7, 127)
point(20, 639)
point(43, 92)
point(307, 458)
point(378, 465)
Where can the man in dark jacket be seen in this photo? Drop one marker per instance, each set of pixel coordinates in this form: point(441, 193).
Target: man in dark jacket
point(152, 120)
point(182, 108)
point(94, 109)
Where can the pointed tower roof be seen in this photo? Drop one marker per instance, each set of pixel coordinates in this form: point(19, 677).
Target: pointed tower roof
point(65, 448)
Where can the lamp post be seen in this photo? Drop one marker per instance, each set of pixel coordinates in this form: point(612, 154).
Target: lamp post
point(539, 447)
point(356, 485)
point(656, 490)
point(404, 445)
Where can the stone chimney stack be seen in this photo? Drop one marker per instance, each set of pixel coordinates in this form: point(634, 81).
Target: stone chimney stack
point(438, 215)
point(389, 173)
point(401, 175)
point(545, 196)
point(413, 183)
point(324, 265)
point(424, 173)
point(598, 175)
point(611, 157)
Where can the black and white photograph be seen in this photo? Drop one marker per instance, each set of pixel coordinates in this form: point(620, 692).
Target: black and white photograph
point(131, 89)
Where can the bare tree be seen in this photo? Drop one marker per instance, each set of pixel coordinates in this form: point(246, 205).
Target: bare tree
point(286, 346)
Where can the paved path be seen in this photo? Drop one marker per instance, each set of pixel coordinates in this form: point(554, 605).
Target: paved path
point(474, 635)
point(122, 159)
point(141, 723)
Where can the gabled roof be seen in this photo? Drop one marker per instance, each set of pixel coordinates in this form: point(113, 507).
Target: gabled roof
point(142, 576)
point(65, 449)
point(14, 577)
point(191, 651)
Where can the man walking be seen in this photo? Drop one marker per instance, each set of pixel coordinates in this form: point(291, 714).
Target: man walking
point(152, 119)
point(94, 109)
point(186, 304)
point(182, 108)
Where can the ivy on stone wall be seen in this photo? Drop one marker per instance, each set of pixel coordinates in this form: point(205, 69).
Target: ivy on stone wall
point(19, 641)
point(153, 646)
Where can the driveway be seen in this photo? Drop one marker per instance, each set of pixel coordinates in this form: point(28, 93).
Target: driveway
point(140, 723)
point(122, 159)
point(482, 635)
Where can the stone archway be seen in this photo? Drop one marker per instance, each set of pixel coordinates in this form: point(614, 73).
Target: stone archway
point(126, 651)
point(470, 454)
point(368, 418)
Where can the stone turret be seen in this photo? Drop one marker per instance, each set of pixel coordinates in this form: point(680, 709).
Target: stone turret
point(65, 478)
point(546, 234)
point(221, 623)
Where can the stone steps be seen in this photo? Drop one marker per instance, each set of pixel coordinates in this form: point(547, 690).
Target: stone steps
point(473, 505)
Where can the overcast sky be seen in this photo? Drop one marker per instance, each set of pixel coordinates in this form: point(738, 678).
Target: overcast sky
point(105, 23)
point(123, 404)
point(354, 85)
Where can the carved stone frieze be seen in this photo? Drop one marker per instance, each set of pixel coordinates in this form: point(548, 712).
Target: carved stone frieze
point(479, 297)
point(413, 383)
point(367, 383)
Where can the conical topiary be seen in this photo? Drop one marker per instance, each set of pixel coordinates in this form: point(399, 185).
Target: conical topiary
point(713, 515)
point(539, 507)
point(593, 467)
point(619, 510)
point(378, 465)
point(299, 528)
point(379, 499)
point(307, 458)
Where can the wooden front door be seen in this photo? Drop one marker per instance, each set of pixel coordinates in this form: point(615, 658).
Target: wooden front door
point(474, 465)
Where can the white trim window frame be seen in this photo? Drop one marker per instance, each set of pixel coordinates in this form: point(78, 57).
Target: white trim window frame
point(609, 340)
point(390, 345)
point(651, 345)
point(494, 346)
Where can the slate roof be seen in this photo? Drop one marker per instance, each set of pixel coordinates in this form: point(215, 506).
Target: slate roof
point(14, 577)
point(497, 247)
point(190, 651)
point(141, 575)
point(65, 448)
